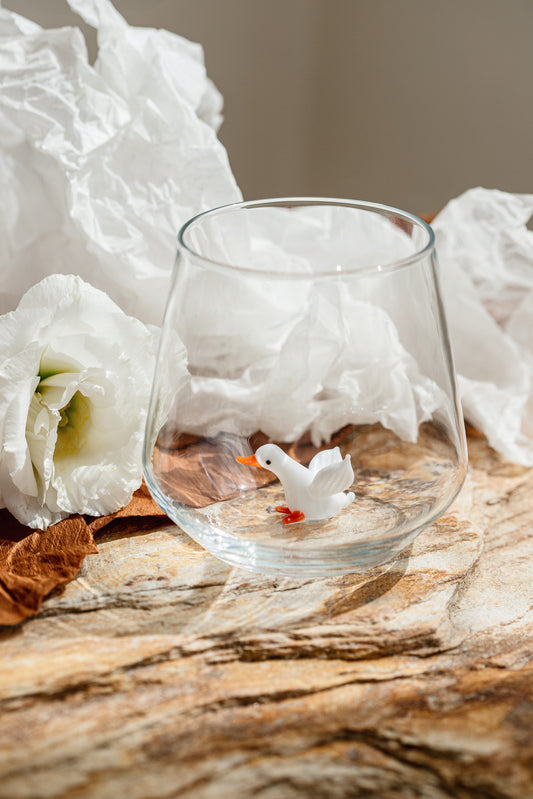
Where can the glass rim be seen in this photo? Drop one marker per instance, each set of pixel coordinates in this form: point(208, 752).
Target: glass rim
point(378, 208)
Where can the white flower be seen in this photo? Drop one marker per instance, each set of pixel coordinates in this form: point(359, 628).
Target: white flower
point(75, 376)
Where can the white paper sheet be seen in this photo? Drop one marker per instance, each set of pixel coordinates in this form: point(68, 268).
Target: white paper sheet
point(486, 256)
point(100, 166)
point(286, 357)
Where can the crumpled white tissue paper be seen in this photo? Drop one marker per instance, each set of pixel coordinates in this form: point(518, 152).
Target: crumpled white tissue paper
point(305, 355)
point(101, 165)
point(486, 256)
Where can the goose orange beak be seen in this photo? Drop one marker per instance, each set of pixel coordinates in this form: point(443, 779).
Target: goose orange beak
point(249, 460)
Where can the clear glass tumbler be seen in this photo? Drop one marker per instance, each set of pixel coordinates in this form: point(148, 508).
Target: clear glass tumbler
point(296, 327)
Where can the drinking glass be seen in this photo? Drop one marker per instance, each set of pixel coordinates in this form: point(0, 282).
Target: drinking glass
point(312, 326)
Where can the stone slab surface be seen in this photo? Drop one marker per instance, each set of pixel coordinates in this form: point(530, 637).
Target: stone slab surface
point(163, 672)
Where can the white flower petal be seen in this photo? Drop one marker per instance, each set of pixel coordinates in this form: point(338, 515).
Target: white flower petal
point(74, 387)
point(17, 386)
point(41, 434)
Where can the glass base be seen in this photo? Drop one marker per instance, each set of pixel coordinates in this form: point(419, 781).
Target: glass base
point(400, 488)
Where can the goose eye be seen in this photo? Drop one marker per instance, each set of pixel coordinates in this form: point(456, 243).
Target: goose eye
point(268, 463)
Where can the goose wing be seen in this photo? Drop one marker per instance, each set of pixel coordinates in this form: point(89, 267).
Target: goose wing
point(325, 458)
point(332, 479)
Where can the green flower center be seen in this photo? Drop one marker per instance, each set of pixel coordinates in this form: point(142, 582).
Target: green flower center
point(75, 418)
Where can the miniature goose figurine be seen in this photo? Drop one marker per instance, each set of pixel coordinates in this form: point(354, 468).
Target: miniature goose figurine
point(315, 492)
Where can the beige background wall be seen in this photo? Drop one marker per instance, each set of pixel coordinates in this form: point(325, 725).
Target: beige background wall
point(408, 102)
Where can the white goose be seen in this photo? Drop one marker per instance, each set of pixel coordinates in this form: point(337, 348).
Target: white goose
point(314, 492)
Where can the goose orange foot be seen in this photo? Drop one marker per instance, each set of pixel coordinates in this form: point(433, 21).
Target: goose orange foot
point(295, 516)
point(283, 509)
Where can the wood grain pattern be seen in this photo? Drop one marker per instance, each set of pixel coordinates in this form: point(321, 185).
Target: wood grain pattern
point(162, 672)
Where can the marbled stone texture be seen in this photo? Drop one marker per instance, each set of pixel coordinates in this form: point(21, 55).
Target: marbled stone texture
point(162, 672)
